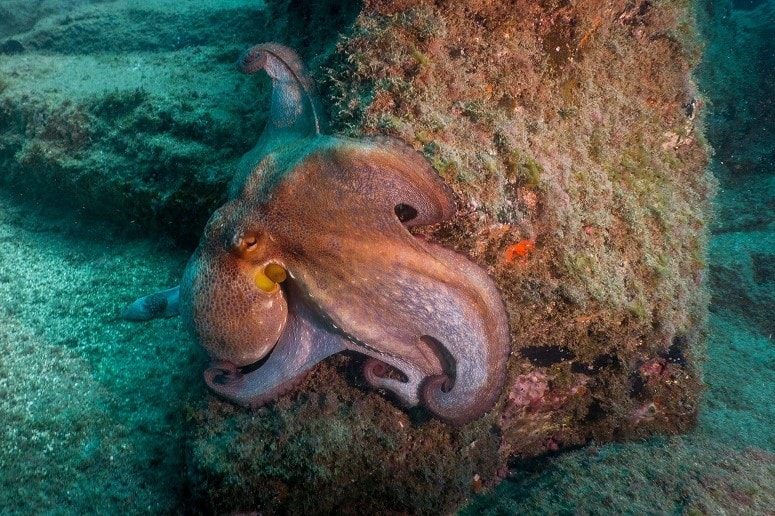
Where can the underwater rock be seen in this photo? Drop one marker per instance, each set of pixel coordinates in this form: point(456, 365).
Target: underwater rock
point(135, 114)
point(570, 132)
point(580, 180)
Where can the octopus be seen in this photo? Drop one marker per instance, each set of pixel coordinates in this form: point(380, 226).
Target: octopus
point(312, 255)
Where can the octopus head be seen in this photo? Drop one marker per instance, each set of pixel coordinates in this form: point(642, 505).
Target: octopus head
point(230, 294)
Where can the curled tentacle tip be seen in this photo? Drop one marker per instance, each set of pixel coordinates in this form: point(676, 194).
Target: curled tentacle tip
point(145, 308)
point(221, 374)
point(373, 371)
point(436, 395)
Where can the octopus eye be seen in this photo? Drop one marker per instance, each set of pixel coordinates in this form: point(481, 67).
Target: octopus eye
point(250, 242)
point(246, 245)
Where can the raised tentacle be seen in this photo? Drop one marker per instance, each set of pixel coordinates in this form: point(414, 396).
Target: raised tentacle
point(295, 106)
point(295, 112)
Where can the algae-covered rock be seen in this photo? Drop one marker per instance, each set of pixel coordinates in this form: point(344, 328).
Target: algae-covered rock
point(334, 447)
point(117, 118)
point(569, 133)
point(576, 133)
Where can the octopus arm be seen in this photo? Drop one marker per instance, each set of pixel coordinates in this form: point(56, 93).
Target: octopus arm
point(304, 343)
point(295, 111)
point(159, 304)
point(295, 108)
point(479, 347)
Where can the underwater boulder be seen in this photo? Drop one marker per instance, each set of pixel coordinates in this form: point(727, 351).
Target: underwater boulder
point(582, 189)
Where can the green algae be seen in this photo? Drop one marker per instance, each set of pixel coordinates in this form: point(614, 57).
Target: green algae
point(523, 169)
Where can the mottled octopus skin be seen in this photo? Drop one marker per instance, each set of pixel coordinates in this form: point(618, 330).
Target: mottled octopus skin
point(334, 213)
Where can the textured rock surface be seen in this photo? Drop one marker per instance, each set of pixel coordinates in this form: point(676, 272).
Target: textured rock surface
point(572, 128)
point(726, 464)
point(566, 130)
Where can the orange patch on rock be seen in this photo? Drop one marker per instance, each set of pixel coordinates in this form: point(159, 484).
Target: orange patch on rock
point(519, 250)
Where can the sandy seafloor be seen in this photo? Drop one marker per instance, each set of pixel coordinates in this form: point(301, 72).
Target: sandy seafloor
point(93, 410)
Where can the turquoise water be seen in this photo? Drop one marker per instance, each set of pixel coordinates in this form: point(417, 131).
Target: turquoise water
point(96, 414)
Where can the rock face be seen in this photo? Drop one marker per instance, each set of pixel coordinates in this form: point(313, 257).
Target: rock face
point(569, 134)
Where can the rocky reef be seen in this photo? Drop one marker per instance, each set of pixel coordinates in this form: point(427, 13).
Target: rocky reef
point(570, 134)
